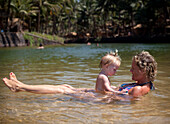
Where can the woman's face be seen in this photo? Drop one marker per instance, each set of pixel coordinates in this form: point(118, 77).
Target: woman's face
point(137, 73)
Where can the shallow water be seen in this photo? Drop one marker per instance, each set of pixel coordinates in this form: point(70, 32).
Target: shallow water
point(77, 65)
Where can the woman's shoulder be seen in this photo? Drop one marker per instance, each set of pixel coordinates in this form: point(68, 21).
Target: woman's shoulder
point(139, 90)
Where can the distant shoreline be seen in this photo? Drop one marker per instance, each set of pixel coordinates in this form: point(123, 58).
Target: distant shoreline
point(142, 39)
point(16, 39)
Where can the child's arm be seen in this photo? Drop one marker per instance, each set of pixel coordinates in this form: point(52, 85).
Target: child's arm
point(114, 87)
point(107, 85)
point(103, 84)
point(109, 88)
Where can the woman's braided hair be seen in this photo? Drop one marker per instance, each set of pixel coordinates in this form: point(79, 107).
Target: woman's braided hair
point(147, 62)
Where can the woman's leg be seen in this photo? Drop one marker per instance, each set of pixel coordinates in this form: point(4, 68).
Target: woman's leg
point(14, 85)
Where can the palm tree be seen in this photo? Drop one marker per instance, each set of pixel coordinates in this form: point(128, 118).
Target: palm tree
point(8, 12)
point(69, 14)
point(86, 16)
point(54, 7)
point(105, 7)
point(21, 8)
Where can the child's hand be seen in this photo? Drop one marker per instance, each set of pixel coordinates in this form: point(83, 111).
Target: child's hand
point(114, 87)
point(124, 91)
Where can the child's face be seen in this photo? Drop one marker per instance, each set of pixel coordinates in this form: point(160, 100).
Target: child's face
point(112, 68)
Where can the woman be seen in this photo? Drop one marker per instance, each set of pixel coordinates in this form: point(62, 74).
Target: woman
point(144, 69)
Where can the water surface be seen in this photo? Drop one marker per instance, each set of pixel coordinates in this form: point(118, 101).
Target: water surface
point(77, 65)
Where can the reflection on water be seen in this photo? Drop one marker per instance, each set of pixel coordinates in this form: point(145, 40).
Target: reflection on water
point(77, 65)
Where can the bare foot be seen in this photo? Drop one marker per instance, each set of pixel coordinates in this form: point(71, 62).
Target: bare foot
point(12, 85)
point(68, 86)
point(12, 76)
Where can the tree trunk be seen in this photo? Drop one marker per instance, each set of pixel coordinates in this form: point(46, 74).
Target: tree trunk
point(119, 25)
point(54, 25)
point(8, 12)
point(38, 21)
point(132, 21)
point(46, 23)
point(105, 20)
point(29, 25)
point(94, 34)
point(69, 25)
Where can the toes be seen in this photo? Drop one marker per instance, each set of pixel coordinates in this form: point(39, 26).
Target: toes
point(11, 73)
point(4, 79)
point(12, 76)
point(10, 84)
point(6, 82)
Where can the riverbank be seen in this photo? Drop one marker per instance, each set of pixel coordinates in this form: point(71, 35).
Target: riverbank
point(17, 39)
point(10, 39)
point(127, 39)
point(35, 39)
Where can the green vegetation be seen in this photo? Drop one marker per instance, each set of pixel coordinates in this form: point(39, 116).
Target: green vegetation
point(29, 38)
point(50, 37)
point(98, 18)
point(40, 37)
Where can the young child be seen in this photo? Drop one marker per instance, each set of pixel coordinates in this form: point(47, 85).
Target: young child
point(108, 64)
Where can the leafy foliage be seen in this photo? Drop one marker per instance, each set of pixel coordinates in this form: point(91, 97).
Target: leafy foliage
point(95, 17)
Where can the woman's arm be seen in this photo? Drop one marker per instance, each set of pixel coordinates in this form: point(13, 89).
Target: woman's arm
point(135, 91)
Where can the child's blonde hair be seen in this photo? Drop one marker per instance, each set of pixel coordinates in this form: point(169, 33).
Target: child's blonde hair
point(110, 58)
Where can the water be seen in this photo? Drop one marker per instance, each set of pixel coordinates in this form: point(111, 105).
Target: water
point(77, 65)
